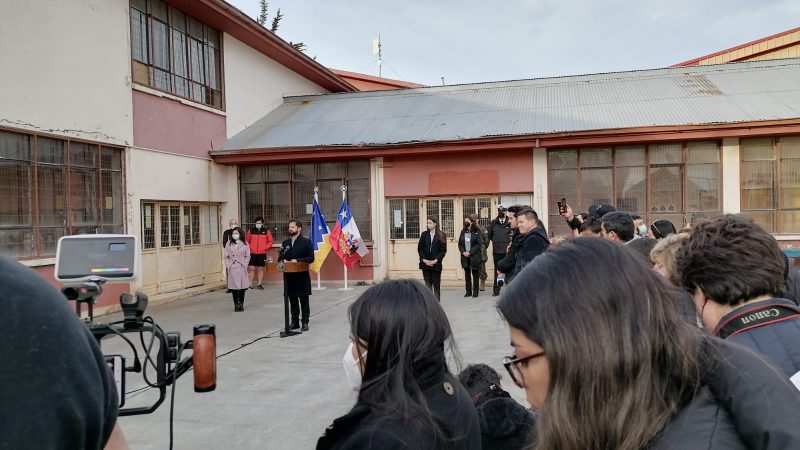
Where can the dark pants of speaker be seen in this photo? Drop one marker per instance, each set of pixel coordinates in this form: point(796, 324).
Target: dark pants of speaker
point(496, 257)
point(238, 298)
point(433, 279)
point(471, 278)
point(298, 304)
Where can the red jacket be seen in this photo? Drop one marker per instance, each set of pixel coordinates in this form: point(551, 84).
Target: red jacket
point(259, 240)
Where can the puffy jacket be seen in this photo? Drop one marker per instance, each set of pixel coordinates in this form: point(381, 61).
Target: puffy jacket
point(260, 240)
point(532, 245)
point(499, 235)
point(778, 341)
point(744, 403)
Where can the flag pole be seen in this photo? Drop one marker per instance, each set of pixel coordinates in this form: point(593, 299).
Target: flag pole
point(345, 288)
point(319, 280)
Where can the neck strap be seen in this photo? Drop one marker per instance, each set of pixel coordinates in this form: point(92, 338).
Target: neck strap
point(754, 318)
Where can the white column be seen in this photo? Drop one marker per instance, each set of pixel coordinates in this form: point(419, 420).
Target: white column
point(731, 184)
point(540, 195)
point(380, 269)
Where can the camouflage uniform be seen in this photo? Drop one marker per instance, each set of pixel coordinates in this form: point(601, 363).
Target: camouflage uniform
point(484, 254)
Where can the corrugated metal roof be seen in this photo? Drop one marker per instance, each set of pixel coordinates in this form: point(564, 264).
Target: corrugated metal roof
point(726, 93)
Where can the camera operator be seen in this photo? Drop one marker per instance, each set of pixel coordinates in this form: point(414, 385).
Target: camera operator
point(56, 389)
point(505, 266)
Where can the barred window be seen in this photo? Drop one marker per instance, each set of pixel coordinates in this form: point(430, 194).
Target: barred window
point(404, 218)
point(770, 186)
point(284, 191)
point(55, 187)
point(443, 210)
point(175, 53)
point(678, 182)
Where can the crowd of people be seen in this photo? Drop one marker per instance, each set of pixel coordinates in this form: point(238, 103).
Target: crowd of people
point(624, 336)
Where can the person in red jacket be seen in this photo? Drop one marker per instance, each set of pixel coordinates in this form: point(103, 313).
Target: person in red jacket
point(260, 239)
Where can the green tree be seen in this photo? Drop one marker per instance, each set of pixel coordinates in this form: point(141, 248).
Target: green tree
point(276, 21)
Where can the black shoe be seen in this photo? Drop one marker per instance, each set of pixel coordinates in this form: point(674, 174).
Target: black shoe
point(304, 327)
point(495, 294)
point(475, 295)
point(468, 294)
point(295, 325)
point(260, 287)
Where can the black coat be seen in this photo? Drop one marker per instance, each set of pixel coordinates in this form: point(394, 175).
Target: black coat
point(499, 235)
point(505, 424)
point(506, 265)
point(475, 259)
point(448, 403)
point(531, 245)
point(744, 403)
point(298, 283)
point(430, 251)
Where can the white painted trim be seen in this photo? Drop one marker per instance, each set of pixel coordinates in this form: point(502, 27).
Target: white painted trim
point(157, 93)
point(38, 262)
point(787, 237)
point(731, 185)
point(380, 243)
point(540, 192)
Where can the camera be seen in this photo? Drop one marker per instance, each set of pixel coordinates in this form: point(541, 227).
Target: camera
point(501, 280)
point(83, 264)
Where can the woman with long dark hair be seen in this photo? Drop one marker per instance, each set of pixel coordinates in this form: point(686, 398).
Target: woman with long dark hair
point(604, 355)
point(469, 244)
point(407, 398)
point(431, 249)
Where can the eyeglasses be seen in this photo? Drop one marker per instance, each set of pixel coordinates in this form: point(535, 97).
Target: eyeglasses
point(512, 363)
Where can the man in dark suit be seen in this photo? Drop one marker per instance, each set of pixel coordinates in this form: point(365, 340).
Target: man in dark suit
point(298, 284)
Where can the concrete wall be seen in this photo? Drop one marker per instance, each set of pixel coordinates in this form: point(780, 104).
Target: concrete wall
point(66, 68)
point(255, 84)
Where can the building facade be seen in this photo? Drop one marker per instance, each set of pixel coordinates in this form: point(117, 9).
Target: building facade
point(114, 108)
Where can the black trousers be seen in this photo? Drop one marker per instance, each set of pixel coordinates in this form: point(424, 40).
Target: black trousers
point(472, 278)
point(496, 257)
point(238, 295)
point(433, 279)
point(299, 303)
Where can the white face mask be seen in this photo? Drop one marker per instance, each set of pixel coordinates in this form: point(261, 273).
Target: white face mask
point(351, 369)
point(643, 230)
point(235, 237)
point(431, 226)
point(258, 226)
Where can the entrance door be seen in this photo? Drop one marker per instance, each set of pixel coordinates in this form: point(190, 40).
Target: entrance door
point(170, 258)
point(192, 250)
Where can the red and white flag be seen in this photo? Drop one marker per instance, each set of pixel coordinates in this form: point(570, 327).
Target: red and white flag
point(345, 238)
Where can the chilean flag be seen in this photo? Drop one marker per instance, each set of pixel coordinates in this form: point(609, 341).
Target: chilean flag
point(345, 238)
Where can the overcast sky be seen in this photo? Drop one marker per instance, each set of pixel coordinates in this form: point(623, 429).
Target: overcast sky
point(469, 40)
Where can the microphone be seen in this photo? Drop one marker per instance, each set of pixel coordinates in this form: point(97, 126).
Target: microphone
point(282, 253)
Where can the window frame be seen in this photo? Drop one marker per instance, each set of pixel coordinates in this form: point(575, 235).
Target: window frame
point(407, 236)
point(67, 169)
point(777, 185)
point(648, 166)
point(207, 46)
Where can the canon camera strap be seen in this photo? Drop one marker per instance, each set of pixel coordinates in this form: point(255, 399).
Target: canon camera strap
point(755, 318)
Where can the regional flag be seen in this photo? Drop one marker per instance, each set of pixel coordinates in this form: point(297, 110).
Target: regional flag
point(319, 238)
point(345, 238)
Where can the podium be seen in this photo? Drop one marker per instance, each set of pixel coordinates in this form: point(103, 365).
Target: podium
point(287, 267)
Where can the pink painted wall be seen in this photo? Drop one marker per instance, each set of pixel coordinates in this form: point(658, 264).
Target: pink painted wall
point(452, 174)
point(164, 124)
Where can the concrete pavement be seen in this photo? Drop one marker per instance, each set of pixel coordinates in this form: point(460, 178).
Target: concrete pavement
point(280, 393)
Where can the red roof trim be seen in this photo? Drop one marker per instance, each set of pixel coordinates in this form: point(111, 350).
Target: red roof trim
point(227, 18)
point(640, 135)
point(373, 79)
point(694, 62)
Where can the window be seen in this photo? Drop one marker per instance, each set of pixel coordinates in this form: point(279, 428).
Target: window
point(771, 182)
point(170, 225)
point(54, 187)
point(211, 224)
point(285, 191)
point(148, 226)
point(678, 182)
point(481, 207)
point(444, 212)
point(175, 53)
point(404, 218)
point(191, 225)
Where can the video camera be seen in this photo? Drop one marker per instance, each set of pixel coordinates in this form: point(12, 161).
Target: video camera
point(83, 264)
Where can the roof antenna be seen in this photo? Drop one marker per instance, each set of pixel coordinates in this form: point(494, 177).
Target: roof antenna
point(443, 81)
point(376, 50)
